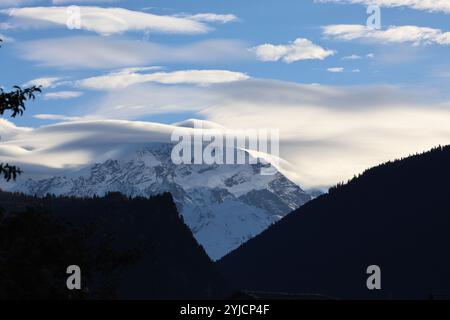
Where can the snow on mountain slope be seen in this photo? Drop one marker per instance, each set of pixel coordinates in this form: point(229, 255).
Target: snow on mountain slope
point(224, 205)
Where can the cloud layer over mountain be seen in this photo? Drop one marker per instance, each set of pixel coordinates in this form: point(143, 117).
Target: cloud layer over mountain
point(328, 134)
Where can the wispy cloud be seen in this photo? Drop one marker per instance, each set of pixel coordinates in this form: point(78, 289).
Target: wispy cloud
point(210, 17)
point(393, 34)
point(59, 117)
point(46, 82)
point(352, 57)
point(336, 70)
point(427, 5)
point(104, 21)
point(76, 142)
point(126, 78)
point(101, 52)
point(60, 95)
point(300, 49)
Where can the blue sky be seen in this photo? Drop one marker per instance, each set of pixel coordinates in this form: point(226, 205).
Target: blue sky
point(258, 22)
point(345, 96)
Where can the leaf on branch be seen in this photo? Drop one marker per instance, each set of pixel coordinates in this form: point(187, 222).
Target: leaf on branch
point(15, 100)
point(9, 172)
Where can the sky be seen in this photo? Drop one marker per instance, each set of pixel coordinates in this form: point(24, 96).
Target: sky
point(344, 96)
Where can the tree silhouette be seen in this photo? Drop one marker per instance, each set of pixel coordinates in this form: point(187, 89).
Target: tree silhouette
point(36, 248)
point(126, 248)
point(14, 101)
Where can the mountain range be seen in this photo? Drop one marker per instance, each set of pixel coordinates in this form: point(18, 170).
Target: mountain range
point(224, 205)
point(395, 216)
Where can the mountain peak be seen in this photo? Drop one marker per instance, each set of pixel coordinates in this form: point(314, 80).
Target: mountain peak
point(224, 205)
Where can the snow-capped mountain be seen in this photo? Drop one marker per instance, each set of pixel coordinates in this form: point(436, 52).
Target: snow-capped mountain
point(224, 205)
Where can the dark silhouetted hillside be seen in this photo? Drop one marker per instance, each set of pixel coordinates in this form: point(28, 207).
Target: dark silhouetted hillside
point(167, 262)
point(396, 215)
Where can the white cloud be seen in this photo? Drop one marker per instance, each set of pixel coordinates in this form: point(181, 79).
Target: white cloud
point(45, 82)
point(356, 71)
point(126, 78)
point(211, 17)
point(300, 49)
point(393, 34)
point(370, 55)
point(101, 52)
point(336, 70)
point(45, 116)
point(352, 57)
point(62, 95)
point(104, 21)
point(428, 5)
point(75, 143)
point(9, 130)
point(328, 134)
